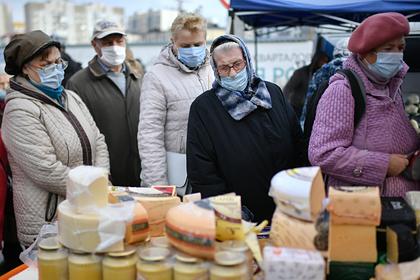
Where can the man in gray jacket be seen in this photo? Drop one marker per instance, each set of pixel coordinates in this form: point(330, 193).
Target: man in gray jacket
point(111, 91)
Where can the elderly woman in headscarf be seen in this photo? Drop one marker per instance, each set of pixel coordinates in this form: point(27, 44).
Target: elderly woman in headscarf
point(241, 132)
point(374, 152)
point(47, 131)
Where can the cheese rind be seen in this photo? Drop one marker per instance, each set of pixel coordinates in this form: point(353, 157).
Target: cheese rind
point(299, 192)
point(87, 188)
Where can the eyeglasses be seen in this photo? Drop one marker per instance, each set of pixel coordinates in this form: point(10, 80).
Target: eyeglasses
point(225, 69)
point(51, 67)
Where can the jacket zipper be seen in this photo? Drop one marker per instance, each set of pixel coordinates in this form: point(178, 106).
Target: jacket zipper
point(201, 82)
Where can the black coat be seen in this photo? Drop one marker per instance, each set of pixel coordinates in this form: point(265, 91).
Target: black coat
point(225, 155)
point(117, 117)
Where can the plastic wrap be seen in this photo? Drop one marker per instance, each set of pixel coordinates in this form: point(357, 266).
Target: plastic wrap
point(87, 188)
point(299, 192)
point(101, 230)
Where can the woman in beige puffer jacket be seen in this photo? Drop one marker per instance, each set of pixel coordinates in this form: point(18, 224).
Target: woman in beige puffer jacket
point(167, 92)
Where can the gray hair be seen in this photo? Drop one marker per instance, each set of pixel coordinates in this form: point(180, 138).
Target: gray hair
point(225, 47)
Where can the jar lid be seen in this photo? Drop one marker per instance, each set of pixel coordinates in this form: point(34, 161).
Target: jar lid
point(49, 244)
point(161, 241)
point(186, 258)
point(154, 254)
point(127, 252)
point(229, 258)
point(234, 245)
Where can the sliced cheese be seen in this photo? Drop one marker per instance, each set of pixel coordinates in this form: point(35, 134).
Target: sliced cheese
point(87, 188)
point(289, 232)
point(191, 228)
point(156, 208)
point(299, 192)
point(355, 205)
point(352, 243)
point(81, 231)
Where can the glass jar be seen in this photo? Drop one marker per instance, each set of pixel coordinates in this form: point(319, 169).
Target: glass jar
point(229, 266)
point(120, 265)
point(160, 241)
point(241, 247)
point(189, 268)
point(84, 266)
point(52, 260)
point(153, 264)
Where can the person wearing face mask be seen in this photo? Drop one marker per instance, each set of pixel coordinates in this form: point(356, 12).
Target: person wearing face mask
point(375, 152)
point(111, 90)
point(181, 72)
point(241, 132)
point(47, 130)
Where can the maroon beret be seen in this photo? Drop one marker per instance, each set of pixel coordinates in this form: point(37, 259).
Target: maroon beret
point(377, 30)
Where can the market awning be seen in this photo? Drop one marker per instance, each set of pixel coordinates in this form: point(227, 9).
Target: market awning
point(269, 13)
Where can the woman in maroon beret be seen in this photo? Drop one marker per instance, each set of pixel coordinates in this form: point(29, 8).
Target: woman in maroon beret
point(374, 151)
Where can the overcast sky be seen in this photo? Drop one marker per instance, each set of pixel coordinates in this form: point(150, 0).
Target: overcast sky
point(212, 9)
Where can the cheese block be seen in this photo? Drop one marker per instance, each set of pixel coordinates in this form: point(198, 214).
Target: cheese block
point(119, 196)
point(413, 199)
point(352, 243)
point(191, 228)
point(395, 210)
point(387, 272)
point(287, 231)
point(400, 244)
point(299, 192)
point(191, 197)
point(288, 263)
point(87, 188)
point(227, 209)
point(350, 270)
point(82, 231)
point(354, 205)
point(156, 208)
point(137, 229)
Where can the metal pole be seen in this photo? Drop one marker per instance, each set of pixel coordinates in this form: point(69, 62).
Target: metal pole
point(232, 21)
point(256, 49)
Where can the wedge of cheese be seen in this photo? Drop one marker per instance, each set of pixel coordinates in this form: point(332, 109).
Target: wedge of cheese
point(191, 228)
point(355, 205)
point(290, 232)
point(87, 188)
point(352, 243)
point(227, 209)
point(82, 231)
point(299, 192)
point(157, 207)
point(400, 244)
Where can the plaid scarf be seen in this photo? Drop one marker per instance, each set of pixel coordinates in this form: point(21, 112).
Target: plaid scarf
point(240, 104)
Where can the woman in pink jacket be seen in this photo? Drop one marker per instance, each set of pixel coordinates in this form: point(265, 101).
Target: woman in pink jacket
point(375, 151)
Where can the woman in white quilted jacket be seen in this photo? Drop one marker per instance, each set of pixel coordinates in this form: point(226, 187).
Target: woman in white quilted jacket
point(181, 73)
point(47, 130)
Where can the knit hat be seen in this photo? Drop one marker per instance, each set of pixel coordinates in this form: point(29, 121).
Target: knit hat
point(24, 47)
point(377, 30)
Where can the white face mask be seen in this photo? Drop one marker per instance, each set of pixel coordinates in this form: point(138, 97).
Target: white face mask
point(113, 55)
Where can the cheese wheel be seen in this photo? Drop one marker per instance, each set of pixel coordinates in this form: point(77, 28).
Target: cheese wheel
point(156, 208)
point(138, 228)
point(80, 231)
point(191, 228)
point(299, 192)
point(87, 188)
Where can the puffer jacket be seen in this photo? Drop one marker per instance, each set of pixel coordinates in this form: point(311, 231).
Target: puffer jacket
point(44, 140)
point(167, 92)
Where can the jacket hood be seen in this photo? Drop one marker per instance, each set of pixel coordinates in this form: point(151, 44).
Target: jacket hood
point(166, 57)
point(232, 38)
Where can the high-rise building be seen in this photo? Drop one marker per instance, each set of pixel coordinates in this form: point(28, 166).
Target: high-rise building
point(151, 21)
point(6, 22)
point(67, 20)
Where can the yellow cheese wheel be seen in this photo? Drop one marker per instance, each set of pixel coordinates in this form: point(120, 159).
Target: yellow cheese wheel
point(80, 231)
point(191, 228)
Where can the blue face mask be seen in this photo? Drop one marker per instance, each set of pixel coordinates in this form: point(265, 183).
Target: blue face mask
point(192, 57)
point(387, 64)
point(2, 94)
point(237, 82)
point(51, 76)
